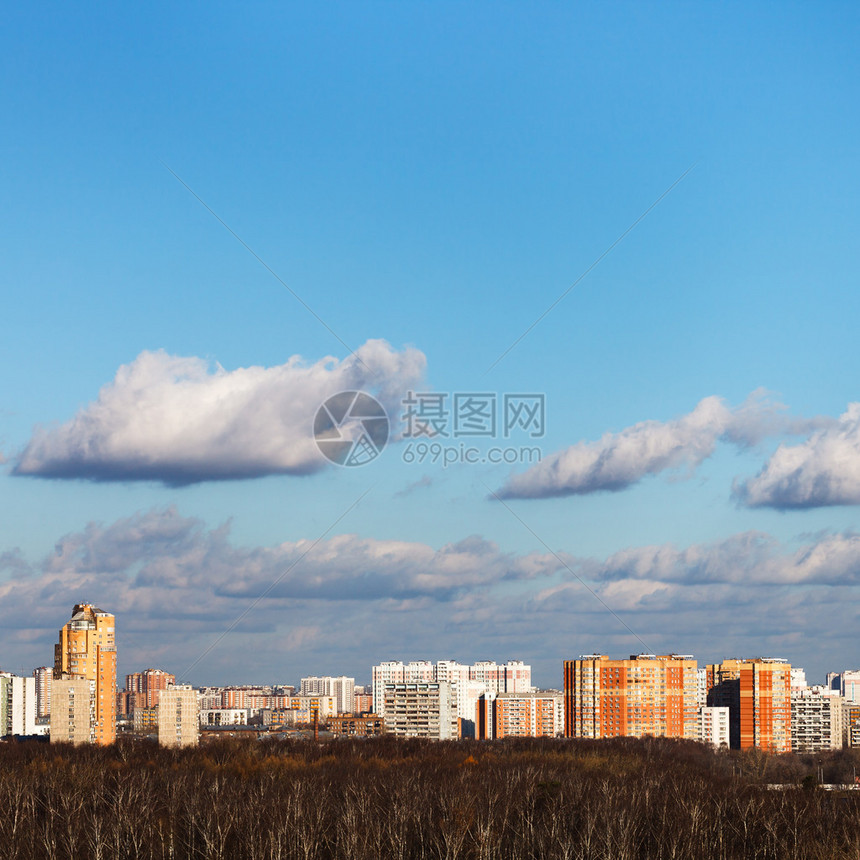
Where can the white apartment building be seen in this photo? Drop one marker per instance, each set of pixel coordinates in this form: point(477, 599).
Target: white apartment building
point(816, 719)
point(421, 709)
point(701, 687)
point(713, 727)
point(847, 684)
point(468, 682)
point(341, 688)
point(223, 716)
point(17, 705)
point(798, 678)
point(44, 677)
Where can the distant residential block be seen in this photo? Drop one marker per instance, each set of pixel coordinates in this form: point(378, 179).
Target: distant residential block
point(17, 705)
point(713, 727)
point(757, 692)
point(424, 709)
point(178, 724)
point(519, 715)
point(73, 711)
point(87, 651)
point(646, 695)
point(353, 725)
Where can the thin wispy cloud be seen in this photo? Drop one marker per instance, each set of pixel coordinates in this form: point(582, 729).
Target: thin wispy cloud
point(619, 460)
point(181, 420)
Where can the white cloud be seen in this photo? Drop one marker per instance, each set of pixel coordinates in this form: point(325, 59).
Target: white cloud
point(823, 470)
point(621, 459)
point(179, 420)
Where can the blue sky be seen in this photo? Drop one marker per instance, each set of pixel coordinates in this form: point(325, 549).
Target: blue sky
point(435, 176)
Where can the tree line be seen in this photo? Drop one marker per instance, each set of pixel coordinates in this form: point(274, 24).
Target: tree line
point(622, 799)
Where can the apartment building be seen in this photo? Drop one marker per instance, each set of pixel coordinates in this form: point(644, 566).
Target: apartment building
point(363, 703)
point(847, 684)
point(87, 651)
point(757, 692)
point(144, 688)
point(816, 719)
point(850, 724)
point(467, 682)
point(43, 677)
point(145, 721)
point(350, 725)
point(713, 727)
point(646, 695)
point(73, 711)
point(342, 688)
point(421, 709)
point(17, 705)
point(178, 724)
point(537, 714)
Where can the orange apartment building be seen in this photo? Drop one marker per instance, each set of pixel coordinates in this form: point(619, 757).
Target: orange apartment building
point(646, 695)
point(144, 688)
point(87, 651)
point(757, 692)
point(518, 715)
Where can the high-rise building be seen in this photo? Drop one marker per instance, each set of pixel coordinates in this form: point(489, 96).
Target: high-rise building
point(178, 721)
point(43, 676)
point(467, 682)
point(519, 715)
point(850, 724)
point(645, 695)
point(17, 705)
point(757, 692)
point(816, 719)
point(714, 726)
point(87, 652)
point(423, 709)
point(73, 711)
point(342, 688)
point(145, 687)
point(847, 684)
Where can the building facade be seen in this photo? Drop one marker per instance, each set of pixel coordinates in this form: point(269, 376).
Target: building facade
point(423, 709)
point(341, 688)
point(757, 692)
point(43, 677)
point(178, 721)
point(847, 684)
point(816, 719)
point(144, 688)
point(714, 727)
point(467, 683)
point(73, 717)
point(519, 715)
point(645, 695)
point(350, 725)
point(87, 651)
point(17, 705)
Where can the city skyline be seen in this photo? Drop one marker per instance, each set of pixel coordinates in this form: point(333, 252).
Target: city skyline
point(620, 237)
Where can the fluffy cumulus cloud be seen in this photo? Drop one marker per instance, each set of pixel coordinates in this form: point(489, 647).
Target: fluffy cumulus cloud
point(618, 460)
point(180, 420)
point(823, 470)
point(347, 602)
